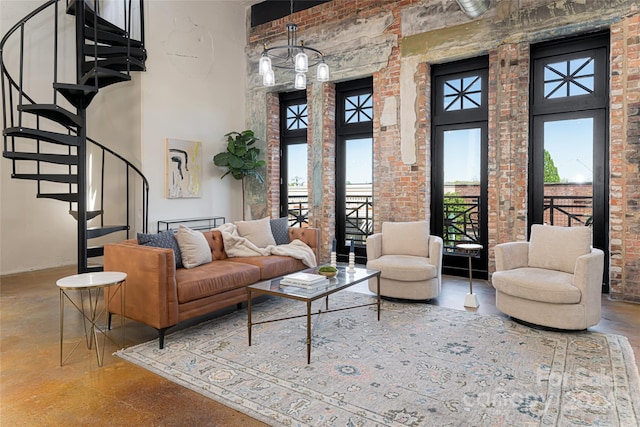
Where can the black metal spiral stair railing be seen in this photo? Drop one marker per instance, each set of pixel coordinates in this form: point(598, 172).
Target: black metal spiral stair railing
point(47, 141)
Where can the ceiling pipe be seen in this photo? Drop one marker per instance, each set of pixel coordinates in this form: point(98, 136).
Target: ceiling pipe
point(473, 8)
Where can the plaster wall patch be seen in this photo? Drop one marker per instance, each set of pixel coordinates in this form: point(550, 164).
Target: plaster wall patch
point(389, 115)
point(408, 117)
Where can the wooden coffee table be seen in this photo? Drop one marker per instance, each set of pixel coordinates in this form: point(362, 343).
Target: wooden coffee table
point(341, 281)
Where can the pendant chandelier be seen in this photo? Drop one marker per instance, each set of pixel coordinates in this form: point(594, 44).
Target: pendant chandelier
point(292, 56)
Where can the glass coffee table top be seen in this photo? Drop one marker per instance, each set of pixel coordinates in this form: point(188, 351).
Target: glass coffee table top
point(340, 281)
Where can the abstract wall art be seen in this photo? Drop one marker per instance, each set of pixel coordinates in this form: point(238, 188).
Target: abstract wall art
point(183, 169)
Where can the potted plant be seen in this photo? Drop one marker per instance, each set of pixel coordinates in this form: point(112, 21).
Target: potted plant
point(241, 158)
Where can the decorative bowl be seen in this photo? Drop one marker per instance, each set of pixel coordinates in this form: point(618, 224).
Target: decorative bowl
point(328, 273)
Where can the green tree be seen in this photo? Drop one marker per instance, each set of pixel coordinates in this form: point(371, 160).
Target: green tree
point(550, 170)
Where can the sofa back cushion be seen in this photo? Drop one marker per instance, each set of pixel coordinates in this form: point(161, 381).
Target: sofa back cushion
point(557, 248)
point(405, 238)
point(214, 238)
point(280, 230)
point(193, 246)
point(164, 239)
point(257, 231)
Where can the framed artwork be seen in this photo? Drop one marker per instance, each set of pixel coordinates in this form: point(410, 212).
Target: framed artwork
point(183, 169)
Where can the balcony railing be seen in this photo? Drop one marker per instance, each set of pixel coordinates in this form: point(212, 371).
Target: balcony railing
point(298, 211)
point(461, 217)
point(460, 221)
point(568, 211)
point(358, 215)
point(359, 218)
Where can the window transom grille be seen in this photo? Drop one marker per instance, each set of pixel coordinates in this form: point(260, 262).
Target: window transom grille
point(297, 117)
point(463, 94)
point(569, 78)
point(358, 108)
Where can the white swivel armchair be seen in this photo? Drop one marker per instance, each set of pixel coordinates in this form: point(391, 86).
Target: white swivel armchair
point(554, 280)
point(409, 259)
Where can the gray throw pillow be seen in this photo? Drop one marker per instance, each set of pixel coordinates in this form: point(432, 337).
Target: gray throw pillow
point(164, 239)
point(280, 230)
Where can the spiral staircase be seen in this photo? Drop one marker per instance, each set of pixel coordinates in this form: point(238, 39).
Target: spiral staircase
point(45, 131)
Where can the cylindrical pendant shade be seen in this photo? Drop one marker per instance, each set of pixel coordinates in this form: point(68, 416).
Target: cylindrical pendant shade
point(322, 72)
point(269, 79)
point(264, 65)
point(301, 81)
point(301, 62)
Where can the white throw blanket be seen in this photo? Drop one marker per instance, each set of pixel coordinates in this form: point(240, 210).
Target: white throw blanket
point(238, 246)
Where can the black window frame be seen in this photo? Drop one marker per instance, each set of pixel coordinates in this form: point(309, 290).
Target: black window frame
point(442, 121)
point(595, 105)
point(345, 131)
point(290, 137)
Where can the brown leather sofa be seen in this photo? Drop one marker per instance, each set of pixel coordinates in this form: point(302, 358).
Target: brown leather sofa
point(161, 295)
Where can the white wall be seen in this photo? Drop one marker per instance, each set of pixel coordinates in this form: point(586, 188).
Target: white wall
point(193, 89)
point(34, 233)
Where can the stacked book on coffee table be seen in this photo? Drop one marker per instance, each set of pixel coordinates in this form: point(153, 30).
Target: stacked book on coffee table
point(304, 280)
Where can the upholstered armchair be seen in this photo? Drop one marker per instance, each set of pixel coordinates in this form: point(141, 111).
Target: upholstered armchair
point(554, 280)
point(409, 259)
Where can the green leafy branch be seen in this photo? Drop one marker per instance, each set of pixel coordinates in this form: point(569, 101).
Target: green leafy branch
point(240, 159)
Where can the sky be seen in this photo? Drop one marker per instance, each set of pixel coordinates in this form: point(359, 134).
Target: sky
point(568, 141)
point(359, 161)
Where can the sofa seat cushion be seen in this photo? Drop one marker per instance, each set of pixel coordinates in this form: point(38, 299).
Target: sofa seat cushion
point(272, 265)
point(213, 278)
point(406, 268)
point(537, 284)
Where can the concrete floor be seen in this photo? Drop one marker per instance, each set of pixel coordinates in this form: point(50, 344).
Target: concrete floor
point(36, 391)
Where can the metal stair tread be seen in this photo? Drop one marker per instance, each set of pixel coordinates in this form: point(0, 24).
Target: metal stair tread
point(93, 232)
point(116, 64)
point(62, 178)
point(102, 74)
point(79, 95)
point(45, 135)
point(64, 197)
point(53, 112)
point(62, 159)
point(114, 51)
point(90, 18)
point(110, 38)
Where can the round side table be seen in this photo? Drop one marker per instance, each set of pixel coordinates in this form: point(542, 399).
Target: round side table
point(471, 300)
point(94, 285)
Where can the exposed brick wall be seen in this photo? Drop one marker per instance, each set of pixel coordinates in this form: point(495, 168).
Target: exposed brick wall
point(508, 139)
point(273, 154)
point(624, 151)
point(423, 140)
point(325, 216)
point(401, 191)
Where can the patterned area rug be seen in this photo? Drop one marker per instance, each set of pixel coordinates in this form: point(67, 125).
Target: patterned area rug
point(421, 365)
